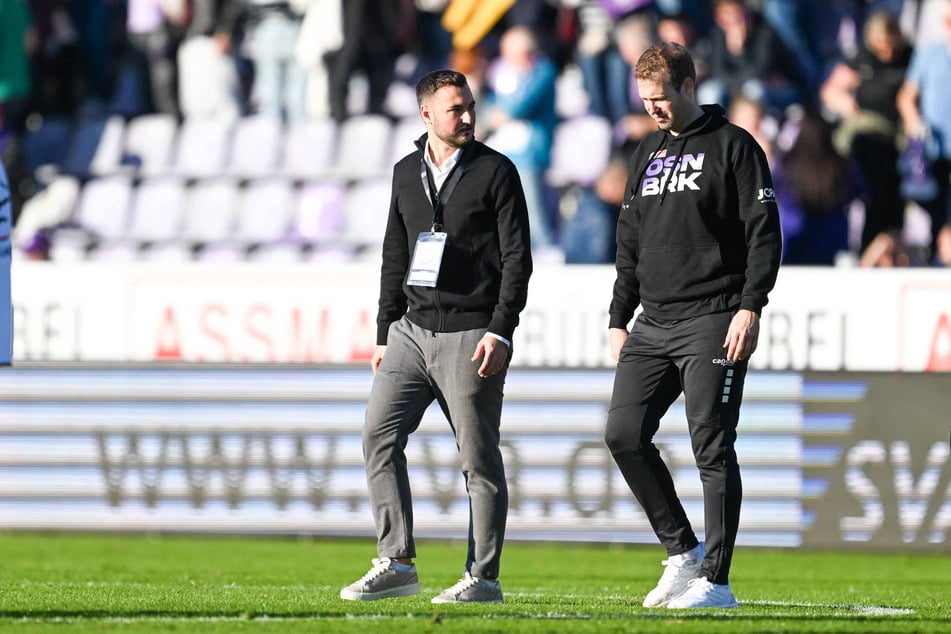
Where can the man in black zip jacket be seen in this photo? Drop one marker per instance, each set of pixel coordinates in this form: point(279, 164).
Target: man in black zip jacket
point(698, 248)
point(456, 265)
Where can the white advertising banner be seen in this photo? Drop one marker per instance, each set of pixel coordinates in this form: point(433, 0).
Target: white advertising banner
point(276, 448)
point(817, 318)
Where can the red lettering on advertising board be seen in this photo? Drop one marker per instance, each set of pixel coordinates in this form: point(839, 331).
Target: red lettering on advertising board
point(257, 321)
point(308, 345)
point(207, 320)
point(939, 357)
point(262, 332)
point(169, 344)
point(363, 338)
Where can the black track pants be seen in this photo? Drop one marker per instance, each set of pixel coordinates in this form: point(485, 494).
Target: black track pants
point(660, 360)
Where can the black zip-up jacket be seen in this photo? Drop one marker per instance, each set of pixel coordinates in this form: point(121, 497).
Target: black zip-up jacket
point(483, 281)
point(698, 231)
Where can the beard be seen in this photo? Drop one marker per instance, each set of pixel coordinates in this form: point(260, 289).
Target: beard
point(461, 137)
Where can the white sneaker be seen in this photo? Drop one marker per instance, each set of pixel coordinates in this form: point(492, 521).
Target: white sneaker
point(701, 593)
point(383, 581)
point(680, 569)
point(471, 589)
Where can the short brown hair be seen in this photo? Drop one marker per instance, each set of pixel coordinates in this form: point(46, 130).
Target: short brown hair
point(667, 58)
point(431, 82)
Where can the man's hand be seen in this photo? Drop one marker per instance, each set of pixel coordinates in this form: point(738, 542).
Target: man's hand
point(743, 335)
point(494, 354)
point(618, 336)
point(377, 358)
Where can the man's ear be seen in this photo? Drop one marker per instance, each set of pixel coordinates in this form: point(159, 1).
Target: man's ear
point(426, 113)
point(688, 87)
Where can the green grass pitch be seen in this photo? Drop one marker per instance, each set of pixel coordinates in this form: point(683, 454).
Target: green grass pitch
point(138, 583)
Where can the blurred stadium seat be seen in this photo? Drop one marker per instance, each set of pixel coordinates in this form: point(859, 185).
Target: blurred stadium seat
point(210, 211)
point(318, 212)
point(364, 147)
point(310, 148)
point(158, 209)
point(264, 211)
point(103, 207)
point(405, 133)
point(255, 151)
point(149, 143)
point(366, 207)
point(203, 146)
point(95, 148)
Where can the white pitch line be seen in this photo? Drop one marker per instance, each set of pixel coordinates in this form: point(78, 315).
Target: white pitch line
point(864, 610)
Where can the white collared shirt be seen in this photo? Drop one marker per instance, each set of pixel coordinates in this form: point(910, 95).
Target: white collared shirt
point(441, 173)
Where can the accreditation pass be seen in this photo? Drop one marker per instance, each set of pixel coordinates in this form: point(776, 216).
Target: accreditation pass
point(427, 258)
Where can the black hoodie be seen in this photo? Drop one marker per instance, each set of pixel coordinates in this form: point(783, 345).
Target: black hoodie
point(698, 231)
point(483, 280)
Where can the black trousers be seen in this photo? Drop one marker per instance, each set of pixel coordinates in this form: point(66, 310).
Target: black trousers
point(659, 361)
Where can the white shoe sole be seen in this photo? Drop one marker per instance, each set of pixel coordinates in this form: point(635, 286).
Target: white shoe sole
point(401, 591)
point(438, 600)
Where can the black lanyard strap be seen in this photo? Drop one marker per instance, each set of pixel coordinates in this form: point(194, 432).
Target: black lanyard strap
point(440, 197)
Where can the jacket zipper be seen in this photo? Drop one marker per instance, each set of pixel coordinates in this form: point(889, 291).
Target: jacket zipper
point(439, 311)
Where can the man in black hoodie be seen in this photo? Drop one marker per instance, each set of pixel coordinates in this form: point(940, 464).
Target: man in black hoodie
point(698, 248)
point(456, 264)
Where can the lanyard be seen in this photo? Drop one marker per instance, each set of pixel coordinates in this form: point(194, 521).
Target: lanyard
point(440, 197)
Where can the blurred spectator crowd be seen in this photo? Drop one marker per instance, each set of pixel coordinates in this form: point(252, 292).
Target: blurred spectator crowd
point(213, 130)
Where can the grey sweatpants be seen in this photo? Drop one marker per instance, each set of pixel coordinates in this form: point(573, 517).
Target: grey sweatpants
point(420, 366)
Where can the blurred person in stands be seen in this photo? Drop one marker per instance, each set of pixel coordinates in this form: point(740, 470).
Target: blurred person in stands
point(271, 30)
point(698, 248)
point(750, 115)
point(634, 35)
point(747, 55)
point(815, 186)
point(589, 217)
point(519, 109)
point(373, 32)
point(605, 72)
point(433, 43)
point(543, 18)
point(797, 23)
point(58, 87)
point(209, 84)
point(921, 20)
point(862, 91)
point(456, 265)
point(155, 29)
point(681, 29)
point(887, 250)
point(924, 101)
point(17, 43)
point(97, 23)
